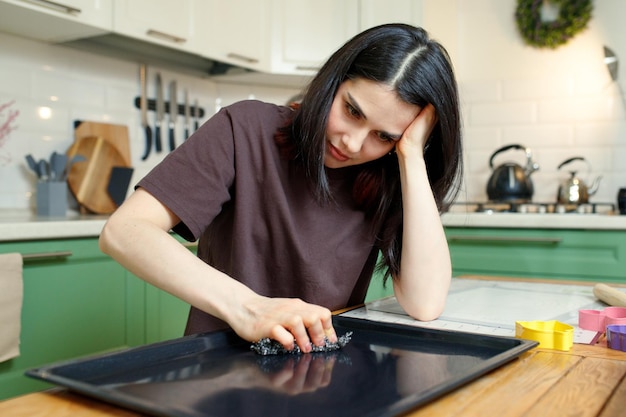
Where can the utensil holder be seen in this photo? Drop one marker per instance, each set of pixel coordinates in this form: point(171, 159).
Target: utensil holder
point(52, 198)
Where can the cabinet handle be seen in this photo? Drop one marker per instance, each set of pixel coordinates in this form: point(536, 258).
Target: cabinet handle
point(46, 255)
point(506, 239)
point(56, 6)
point(166, 36)
point(307, 68)
point(243, 58)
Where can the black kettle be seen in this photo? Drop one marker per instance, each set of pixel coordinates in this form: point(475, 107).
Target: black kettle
point(510, 182)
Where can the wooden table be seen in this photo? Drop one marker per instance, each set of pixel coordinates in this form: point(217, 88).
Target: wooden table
point(586, 381)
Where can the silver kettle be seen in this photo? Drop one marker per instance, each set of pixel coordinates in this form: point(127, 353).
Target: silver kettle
point(511, 182)
point(574, 190)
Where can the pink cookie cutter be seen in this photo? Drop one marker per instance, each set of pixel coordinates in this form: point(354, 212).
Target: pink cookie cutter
point(616, 337)
point(597, 320)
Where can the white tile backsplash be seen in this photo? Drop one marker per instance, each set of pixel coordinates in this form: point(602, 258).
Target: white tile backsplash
point(560, 103)
point(76, 85)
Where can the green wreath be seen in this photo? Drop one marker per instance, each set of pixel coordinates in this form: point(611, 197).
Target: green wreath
point(573, 18)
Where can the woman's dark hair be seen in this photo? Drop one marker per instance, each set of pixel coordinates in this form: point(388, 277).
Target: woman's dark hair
point(420, 72)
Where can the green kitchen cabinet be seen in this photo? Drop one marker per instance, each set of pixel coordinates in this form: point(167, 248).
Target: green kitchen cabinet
point(77, 302)
point(585, 255)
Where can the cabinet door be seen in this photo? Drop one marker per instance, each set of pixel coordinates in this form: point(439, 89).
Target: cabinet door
point(233, 31)
point(306, 33)
point(378, 12)
point(588, 255)
point(72, 306)
point(164, 22)
point(56, 21)
point(275, 36)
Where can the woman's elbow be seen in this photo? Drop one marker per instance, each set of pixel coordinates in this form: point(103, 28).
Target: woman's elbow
point(426, 308)
point(425, 311)
point(109, 236)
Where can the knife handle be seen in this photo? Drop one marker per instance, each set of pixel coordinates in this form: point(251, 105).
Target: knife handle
point(148, 143)
point(172, 140)
point(157, 138)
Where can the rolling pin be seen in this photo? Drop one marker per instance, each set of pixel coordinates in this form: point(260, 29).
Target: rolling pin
point(610, 295)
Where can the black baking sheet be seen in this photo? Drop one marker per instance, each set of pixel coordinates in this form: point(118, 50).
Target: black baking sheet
point(385, 370)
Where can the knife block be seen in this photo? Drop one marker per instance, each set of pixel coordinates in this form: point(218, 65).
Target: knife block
point(51, 198)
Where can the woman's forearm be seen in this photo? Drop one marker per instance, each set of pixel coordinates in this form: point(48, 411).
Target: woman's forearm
point(145, 248)
point(425, 269)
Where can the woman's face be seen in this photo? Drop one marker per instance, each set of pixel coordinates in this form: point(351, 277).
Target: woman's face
point(365, 121)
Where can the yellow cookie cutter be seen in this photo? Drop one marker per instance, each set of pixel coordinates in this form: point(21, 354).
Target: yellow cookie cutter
point(550, 334)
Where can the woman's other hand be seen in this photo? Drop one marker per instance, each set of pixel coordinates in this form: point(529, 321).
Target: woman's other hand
point(417, 133)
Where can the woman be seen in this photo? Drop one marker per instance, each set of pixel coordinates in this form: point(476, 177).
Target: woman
point(291, 206)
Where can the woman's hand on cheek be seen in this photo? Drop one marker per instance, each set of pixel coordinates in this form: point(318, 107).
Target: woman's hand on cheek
point(416, 135)
point(286, 320)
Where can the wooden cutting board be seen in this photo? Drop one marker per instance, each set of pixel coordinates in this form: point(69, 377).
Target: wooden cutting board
point(116, 135)
point(88, 180)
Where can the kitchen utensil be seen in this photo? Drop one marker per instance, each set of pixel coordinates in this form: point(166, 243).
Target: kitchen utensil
point(88, 180)
point(173, 114)
point(616, 337)
point(574, 190)
point(510, 181)
point(621, 200)
point(115, 134)
point(160, 113)
point(68, 167)
point(597, 320)
point(609, 295)
point(43, 168)
point(58, 162)
point(550, 334)
point(32, 164)
point(187, 115)
point(118, 184)
point(143, 106)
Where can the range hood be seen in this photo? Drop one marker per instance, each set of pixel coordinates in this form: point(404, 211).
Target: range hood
point(127, 48)
point(131, 49)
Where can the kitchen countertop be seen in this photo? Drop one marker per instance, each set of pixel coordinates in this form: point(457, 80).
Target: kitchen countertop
point(535, 220)
point(24, 225)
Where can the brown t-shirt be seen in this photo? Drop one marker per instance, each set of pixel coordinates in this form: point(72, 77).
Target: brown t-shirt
point(256, 217)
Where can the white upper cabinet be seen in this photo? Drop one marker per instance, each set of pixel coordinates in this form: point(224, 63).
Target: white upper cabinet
point(275, 36)
point(232, 31)
point(293, 37)
point(164, 22)
point(306, 33)
point(58, 20)
point(378, 12)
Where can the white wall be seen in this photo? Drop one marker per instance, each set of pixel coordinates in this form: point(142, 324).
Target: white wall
point(560, 103)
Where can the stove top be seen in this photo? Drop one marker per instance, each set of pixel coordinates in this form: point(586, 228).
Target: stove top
point(531, 207)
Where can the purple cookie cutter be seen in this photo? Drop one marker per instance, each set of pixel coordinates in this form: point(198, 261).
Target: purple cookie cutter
point(616, 336)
